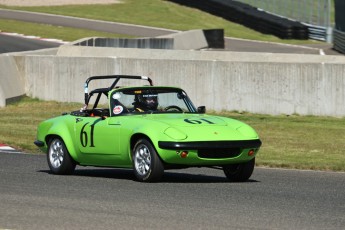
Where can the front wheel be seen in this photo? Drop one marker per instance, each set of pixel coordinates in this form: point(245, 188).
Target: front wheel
point(59, 160)
point(147, 166)
point(239, 172)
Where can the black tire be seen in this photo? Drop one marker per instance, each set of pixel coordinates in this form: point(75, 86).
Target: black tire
point(147, 165)
point(239, 172)
point(59, 160)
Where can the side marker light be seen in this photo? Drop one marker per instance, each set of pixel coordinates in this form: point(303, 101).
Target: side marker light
point(251, 152)
point(184, 154)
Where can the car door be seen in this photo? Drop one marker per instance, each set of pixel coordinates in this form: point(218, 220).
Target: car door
point(97, 135)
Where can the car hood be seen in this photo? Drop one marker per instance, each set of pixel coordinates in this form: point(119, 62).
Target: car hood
point(204, 127)
point(189, 120)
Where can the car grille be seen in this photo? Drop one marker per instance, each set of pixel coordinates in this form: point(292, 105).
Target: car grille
point(219, 153)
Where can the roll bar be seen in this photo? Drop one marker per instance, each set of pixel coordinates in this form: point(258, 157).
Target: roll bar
point(112, 86)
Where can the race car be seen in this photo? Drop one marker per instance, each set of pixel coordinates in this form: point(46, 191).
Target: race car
point(149, 129)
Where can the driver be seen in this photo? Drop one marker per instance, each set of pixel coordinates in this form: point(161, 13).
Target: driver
point(145, 102)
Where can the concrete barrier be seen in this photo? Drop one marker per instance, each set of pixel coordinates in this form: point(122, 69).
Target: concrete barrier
point(252, 82)
point(11, 82)
point(234, 83)
point(82, 51)
point(189, 40)
point(142, 43)
point(184, 40)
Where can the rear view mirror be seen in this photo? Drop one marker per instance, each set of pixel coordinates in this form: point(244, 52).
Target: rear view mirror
point(201, 109)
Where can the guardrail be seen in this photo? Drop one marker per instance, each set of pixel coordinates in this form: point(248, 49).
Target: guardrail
point(251, 17)
point(339, 40)
point(317, 32)
point(316, 14)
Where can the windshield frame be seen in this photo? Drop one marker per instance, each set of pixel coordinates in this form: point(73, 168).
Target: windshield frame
point(154, 90)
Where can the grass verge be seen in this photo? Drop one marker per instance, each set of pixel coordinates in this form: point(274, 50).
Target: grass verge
point(301, 142)
point(18, 121)
point(157, 13)
point(49, 31)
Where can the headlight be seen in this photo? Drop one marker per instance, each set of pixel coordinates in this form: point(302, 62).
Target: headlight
point(175, 134)
point(247, 131)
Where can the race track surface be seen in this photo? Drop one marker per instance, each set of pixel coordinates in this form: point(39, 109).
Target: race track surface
point(231, 44)
point(196, 198)
point(11, 43)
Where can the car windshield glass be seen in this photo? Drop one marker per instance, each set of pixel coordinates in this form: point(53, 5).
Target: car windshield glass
point(150, 100)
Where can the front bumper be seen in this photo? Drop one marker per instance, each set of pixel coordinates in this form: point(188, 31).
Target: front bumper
point(39, 143)
point(199, 145)
point(211, 153)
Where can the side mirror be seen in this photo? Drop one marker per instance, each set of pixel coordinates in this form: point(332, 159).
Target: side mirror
point(201, 109)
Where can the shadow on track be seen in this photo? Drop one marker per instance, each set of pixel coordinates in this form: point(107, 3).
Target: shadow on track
point(168, 177)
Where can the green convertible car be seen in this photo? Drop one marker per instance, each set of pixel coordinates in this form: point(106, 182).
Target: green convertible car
point(147, 128)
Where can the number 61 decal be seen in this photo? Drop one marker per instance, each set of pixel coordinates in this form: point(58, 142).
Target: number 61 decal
point(84, 137)
point(198, 121)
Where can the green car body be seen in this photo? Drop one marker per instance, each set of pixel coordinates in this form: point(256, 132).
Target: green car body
point(184, 137)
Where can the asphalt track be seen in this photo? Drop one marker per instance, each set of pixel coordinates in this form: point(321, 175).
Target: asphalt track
point(12, 43)
point(231, 44)
point(196, 198)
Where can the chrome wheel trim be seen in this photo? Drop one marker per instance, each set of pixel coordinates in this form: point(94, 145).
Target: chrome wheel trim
point(56, 153)
point(142, 160)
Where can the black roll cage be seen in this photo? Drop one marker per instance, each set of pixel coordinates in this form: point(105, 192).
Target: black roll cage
point(105, 91)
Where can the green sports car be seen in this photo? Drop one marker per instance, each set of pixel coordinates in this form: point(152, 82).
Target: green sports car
point(147, 128)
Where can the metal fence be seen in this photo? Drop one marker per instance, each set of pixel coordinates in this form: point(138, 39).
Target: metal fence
point(316, 14)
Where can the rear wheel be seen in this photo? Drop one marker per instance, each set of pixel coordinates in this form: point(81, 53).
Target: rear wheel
point(239, 172)
point(147, 166)
point(59, 159)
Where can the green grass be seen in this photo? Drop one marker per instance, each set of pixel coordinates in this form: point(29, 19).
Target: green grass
point(157, 13)
point(49, 31)
point(301, 142)
point(18, 121)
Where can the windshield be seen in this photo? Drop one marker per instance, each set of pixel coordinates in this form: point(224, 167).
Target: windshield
point(150, 100)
